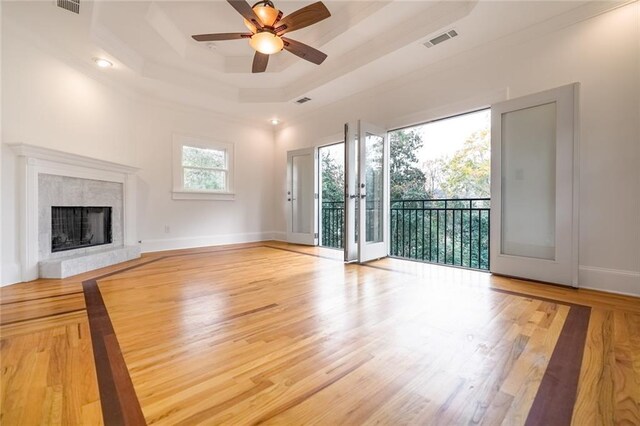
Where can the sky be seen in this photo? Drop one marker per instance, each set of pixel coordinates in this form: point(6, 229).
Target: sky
point(445, 137)
point(441, 138)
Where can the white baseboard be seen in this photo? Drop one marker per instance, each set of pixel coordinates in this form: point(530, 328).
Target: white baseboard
point(590, 277)
point(609, 280)
point(150, 245)
point(10, 274)
point(279, 236)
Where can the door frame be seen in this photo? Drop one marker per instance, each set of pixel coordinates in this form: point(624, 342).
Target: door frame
point(319, 192)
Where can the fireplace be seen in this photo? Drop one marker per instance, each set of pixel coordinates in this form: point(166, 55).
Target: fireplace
point(78, 227)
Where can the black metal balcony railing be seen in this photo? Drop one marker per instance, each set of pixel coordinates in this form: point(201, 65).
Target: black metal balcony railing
point(332, 224)
point(445, 231)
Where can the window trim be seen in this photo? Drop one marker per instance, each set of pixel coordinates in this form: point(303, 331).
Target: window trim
point(179, 192)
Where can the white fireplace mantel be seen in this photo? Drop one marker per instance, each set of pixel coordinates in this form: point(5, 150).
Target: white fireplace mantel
point(34, 160)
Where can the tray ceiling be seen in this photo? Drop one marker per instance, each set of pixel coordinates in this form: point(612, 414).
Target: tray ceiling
point(368, 42)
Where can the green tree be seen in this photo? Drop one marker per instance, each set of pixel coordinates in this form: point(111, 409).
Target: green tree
point(332, 178)
point(435, 174)
point(406, 178)
point(468, 171)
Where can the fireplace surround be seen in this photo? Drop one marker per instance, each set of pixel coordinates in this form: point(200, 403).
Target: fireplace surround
point(49, 178)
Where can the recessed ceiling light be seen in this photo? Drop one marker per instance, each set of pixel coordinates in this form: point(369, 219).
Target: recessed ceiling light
point(102, 63)
point(275, 121)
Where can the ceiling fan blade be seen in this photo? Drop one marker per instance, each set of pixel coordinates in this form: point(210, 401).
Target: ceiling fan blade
point(260, 61)
point(304, 51)
point(244, 9)
point(221, 36)
point(304, 17)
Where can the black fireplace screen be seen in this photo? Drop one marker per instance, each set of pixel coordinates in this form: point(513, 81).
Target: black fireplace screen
point(76, 227)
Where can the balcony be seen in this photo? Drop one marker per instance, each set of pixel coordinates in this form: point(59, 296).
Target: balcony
point(451, 232)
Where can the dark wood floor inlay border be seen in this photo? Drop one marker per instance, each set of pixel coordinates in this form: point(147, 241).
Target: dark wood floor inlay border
point(120, 405)
point(552, 405)
point(118, 399)
point(558, 390)
point(556, 396)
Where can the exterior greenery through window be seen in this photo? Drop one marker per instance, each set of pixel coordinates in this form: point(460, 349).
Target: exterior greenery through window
point(417, 170)
point(204, 169)
point(439, 187)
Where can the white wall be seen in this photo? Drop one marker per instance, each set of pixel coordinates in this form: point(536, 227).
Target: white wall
point(602, 53)
point(47, 102)
point(200, 223)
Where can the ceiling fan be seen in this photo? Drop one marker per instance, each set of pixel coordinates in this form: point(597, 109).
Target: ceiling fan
point(267, 28)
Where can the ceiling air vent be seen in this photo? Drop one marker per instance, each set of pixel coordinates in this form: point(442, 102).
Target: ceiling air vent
point(70, 5)
point(442, 37)
point(303, 100)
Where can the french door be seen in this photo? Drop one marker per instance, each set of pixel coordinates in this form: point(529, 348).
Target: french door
point(302, 196)
point(534, 194)
point(366, 192)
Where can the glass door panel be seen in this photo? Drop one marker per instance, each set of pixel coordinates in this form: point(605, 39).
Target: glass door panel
point(374, 183)
point(534, 193)
point(373, 176)
point(529, 182)
point(301, 199)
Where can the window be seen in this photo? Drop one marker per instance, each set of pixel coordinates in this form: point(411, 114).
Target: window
point(203, 169)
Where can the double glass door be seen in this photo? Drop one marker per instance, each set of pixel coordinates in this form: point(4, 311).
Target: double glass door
point(366, 192)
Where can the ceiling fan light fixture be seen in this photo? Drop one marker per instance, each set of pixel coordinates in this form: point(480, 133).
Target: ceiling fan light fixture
point(266, 42)
point(250, 26)
point(267, 14)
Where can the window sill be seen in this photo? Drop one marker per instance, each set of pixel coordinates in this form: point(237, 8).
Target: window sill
point(195, 195)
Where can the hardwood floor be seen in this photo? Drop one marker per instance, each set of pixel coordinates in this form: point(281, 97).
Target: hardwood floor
point(282, 334)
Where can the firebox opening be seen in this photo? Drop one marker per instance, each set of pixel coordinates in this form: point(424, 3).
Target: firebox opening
point(79, 227)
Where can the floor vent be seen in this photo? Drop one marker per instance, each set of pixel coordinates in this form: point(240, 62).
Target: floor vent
point(303, 100)
point(442, 37)
point(70, 5)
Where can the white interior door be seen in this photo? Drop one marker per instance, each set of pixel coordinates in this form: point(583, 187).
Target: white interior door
point(302, 196)
point(534, 194)
point(366, 192)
